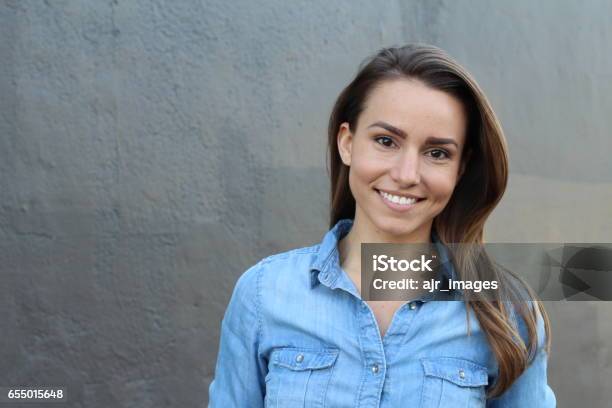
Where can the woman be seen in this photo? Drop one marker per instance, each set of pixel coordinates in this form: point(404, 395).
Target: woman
point(417, 156)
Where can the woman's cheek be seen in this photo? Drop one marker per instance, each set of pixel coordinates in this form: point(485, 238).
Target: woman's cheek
point(443, 184)
point(366, 169)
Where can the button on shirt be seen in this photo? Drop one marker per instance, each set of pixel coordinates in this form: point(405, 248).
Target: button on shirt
point(296, 333)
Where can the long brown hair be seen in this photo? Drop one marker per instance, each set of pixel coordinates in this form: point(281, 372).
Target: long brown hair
point(475, 196)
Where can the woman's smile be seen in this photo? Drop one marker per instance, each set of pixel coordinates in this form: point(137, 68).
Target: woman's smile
point(397, 202)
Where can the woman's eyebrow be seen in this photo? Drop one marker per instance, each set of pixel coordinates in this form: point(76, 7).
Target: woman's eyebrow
point(399, 132)
point(441, 141)
point(390, 128)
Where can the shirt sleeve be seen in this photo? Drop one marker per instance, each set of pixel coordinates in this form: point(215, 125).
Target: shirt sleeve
point(531, 388)
point(240, 372)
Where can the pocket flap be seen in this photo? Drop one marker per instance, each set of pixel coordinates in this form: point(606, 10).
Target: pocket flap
point(299, 359)
point(456, 370)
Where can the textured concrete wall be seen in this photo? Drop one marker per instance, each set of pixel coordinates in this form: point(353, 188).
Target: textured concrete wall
point(150, 151)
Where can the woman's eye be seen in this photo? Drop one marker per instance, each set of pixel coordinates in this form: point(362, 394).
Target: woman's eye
point(385, 141)
point(438, 154)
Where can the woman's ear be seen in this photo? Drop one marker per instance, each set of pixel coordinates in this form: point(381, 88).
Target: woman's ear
point(345, 143)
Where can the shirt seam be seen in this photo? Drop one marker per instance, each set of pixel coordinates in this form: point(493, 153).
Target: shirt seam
point(287, 254)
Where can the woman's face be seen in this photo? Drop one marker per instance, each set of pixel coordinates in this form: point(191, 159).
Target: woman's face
point(404, 158)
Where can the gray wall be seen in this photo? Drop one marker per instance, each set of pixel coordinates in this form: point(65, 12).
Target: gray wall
point(150, 151)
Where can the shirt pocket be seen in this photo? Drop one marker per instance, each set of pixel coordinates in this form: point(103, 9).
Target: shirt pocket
point(299, 377)
point(453, 382)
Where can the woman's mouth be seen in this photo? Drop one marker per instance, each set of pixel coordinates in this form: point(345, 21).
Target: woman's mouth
point(398, 202)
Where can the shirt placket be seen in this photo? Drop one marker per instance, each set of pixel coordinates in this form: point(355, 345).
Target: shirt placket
point(374, 361)
point(374, 366)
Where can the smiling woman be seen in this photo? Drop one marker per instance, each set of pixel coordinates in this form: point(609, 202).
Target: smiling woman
point(416, 156)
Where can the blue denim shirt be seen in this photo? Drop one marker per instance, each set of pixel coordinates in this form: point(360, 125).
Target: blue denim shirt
point(297, 334)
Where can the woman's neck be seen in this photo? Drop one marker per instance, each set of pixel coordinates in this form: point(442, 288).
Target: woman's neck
point(364, 231)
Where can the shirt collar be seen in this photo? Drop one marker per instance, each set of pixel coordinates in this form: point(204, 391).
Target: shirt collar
point(326, 265)
point(322, 269)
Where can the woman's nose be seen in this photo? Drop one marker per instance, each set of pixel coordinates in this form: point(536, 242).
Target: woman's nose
point(405, 170)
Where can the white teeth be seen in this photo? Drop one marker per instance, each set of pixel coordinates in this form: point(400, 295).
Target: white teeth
point(398, 199)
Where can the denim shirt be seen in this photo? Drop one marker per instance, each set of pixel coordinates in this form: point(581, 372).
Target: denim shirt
point(296, 333)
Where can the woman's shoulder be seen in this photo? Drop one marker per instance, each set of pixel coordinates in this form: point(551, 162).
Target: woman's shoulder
point(288, 265)
point(281, 278)
point(526, 309)
point(532, 310)
point(292, 255)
